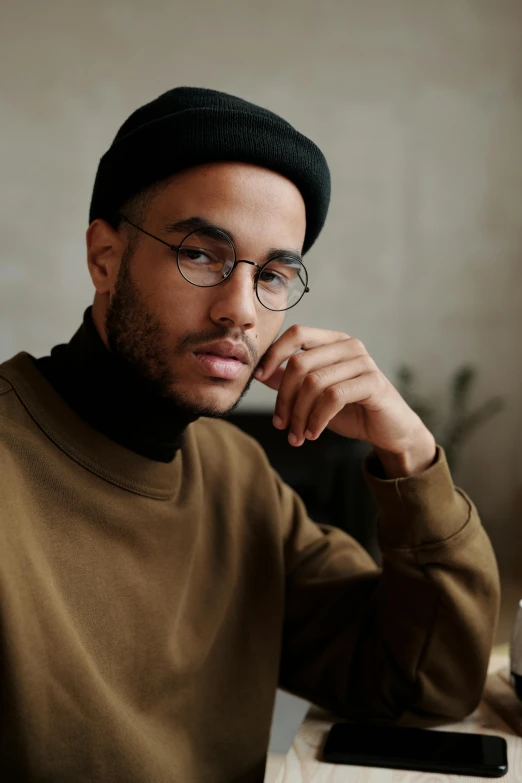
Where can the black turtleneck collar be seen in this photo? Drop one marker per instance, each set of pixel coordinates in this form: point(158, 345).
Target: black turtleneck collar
point(104, 392)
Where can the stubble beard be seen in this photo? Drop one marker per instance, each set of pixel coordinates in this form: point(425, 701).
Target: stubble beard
point(138, 339)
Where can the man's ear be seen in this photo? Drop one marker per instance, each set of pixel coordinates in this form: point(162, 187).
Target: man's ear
point(105, 246)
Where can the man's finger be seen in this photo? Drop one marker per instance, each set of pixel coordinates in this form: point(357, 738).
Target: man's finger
point(299, 366)
point(312, 389)
point(335, 398)
point(274, 381)
point(296, 338)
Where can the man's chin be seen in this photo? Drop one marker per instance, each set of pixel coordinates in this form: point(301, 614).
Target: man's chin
point(214, 402)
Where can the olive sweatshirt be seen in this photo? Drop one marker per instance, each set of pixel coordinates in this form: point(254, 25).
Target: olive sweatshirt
point(150, 609)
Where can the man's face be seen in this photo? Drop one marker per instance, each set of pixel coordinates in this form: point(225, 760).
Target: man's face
point(173, 333)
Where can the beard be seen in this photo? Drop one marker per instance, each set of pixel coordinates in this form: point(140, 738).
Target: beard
point(138, 340)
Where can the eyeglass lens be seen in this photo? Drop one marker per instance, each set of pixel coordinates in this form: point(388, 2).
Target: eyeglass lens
point(207, 257)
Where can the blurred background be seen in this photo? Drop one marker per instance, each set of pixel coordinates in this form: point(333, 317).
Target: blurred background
point(417, 105)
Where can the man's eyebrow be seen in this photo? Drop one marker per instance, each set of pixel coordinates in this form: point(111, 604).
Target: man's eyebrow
point(277, 252)
point(198, 223)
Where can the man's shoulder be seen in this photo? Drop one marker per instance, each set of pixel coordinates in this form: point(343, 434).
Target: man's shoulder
point(21, 405)
point(12, 369)
point(11, 407)
point(12, 421)
point(9, 402)
point(5, 386)
point(6, 404)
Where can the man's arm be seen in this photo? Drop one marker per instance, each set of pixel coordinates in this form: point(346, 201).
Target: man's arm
point(411, 642)
point(407, 644)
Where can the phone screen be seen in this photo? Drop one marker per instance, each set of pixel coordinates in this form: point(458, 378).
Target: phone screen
point(418, 749)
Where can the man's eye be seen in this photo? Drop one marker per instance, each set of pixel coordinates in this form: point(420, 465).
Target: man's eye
point(197, 256)
point(269, 277)
point(193, 255)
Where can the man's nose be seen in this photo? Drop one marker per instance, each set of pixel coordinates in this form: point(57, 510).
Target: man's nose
point(235, 302)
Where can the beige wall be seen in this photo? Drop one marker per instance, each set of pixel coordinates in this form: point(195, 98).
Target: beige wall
point(418, 107)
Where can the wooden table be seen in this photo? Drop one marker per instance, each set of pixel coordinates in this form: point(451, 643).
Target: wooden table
point(499, 713)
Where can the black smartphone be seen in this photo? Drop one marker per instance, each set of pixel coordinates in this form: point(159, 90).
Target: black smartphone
point(416, 749)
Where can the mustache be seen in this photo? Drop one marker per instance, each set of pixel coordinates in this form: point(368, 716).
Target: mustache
point(192, 340)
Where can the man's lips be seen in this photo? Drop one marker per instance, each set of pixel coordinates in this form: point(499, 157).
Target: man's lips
point(223, 359)
point(227, 350)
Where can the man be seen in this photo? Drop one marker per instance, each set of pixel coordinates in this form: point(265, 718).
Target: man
point(158, 580)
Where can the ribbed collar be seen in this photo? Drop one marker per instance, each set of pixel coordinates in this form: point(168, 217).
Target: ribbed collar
point(106, 394)
point(85, 445)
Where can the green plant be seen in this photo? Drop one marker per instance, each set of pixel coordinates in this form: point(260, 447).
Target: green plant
point(460, 421)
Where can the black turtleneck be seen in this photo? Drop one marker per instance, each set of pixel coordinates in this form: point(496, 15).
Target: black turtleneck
point(108, 395)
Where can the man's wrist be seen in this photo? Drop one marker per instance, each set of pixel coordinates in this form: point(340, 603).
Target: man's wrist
point(412, 461)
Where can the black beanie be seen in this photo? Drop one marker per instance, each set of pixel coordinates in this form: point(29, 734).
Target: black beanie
point(188, 126)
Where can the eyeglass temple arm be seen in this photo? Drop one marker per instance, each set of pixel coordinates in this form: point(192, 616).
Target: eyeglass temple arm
point(152, 236)
point(306, 289)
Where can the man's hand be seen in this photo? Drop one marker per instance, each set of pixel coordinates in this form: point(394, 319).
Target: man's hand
point(334, 383)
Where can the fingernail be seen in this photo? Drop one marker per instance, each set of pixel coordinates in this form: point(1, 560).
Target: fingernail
point(309, 434)
point(278, 422)
point(259, 372)
point(292, 439)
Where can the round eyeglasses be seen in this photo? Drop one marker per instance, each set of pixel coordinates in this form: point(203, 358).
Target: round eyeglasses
point(207, 257)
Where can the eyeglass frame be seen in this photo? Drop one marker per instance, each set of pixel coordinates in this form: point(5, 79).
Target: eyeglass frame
point(259, 268)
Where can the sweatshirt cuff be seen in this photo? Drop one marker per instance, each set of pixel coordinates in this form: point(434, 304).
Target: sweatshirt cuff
point(419, 510)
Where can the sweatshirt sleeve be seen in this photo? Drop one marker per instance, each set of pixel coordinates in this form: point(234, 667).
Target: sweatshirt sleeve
point(408, 643)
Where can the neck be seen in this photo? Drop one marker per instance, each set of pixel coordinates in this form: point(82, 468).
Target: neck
point(110, 397)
